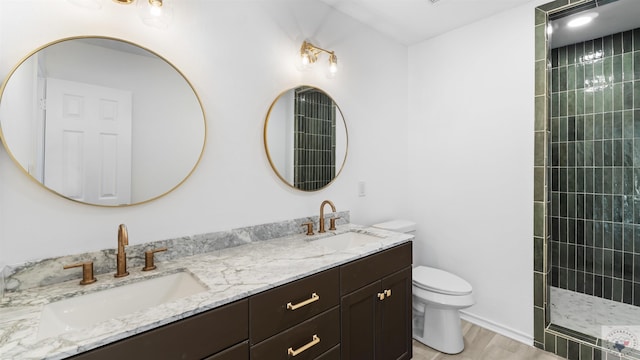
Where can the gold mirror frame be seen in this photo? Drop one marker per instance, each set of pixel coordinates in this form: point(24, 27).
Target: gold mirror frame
point(339, 136)
point(199, 130)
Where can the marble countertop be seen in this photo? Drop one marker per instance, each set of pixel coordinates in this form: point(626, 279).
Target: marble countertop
point(229, 274)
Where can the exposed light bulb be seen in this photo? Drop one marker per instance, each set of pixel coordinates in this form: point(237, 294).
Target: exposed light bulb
point(333, 64)
point(304, 58)
point(156, 13)
point(156, 7)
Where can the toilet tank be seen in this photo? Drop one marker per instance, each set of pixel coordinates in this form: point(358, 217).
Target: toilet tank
point(399, 225)
point(403, 226)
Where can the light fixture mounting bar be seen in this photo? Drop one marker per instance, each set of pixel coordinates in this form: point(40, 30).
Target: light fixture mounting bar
point(312, 51)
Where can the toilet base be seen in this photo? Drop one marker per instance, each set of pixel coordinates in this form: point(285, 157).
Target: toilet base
point(442, 329)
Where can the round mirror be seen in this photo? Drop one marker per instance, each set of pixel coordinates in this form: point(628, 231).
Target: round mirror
point(101, 121)
point(305, 137)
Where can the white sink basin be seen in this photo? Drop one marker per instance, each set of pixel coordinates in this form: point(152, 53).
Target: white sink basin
point(86, 310)
point(347, 240)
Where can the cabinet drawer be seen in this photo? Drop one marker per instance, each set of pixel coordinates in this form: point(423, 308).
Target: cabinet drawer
point(269, 313)
point(326, 328)
point(238, 352)
point(359, 273)
point(333, 354)
point(195, 337)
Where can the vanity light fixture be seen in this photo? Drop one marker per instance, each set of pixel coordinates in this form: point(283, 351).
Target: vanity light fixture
point(156, 13)
point(309, 55)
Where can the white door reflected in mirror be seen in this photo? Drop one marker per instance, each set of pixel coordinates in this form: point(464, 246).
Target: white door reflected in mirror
point(87, 153)
point(109, 152)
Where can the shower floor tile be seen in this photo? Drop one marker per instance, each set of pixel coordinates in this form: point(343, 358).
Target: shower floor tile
point(590, 315)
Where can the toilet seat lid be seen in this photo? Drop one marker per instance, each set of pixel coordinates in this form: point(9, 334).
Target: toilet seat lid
point(440, 281)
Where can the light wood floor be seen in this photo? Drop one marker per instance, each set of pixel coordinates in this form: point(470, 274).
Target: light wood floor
point(482, 344)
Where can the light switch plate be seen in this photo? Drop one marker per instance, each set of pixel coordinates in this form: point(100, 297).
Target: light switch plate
point(362, 189)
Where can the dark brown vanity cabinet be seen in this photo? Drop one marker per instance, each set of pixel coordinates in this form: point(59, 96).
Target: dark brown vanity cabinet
point(376, 306)
point(218, 334)
point(238, 352)
point(298, 320)
point(357, 311)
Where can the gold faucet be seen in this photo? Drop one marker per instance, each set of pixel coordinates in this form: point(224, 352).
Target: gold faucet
point(121, 257)
point(333, 208)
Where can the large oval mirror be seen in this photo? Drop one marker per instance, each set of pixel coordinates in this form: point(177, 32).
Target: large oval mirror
point(305, 137)
point(101, 121)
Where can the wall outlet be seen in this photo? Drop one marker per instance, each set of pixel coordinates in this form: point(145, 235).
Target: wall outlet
point(362, 189)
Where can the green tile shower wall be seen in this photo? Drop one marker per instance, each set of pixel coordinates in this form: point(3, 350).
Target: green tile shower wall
point(314, 142)
point(545, 335)
point(595, 167)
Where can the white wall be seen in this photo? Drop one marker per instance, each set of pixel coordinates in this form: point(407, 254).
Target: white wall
point(239, 55)
point(471, 163)
point(466, 171)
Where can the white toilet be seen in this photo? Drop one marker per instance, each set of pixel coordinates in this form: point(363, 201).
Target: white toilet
point(437, 298)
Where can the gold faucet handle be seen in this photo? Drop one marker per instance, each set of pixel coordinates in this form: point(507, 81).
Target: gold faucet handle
point(87, 272)
point(309, 226)
point(332, 222)
point(148, 258)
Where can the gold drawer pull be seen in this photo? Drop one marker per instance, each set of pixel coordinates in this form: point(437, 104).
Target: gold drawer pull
point(315, 340)
point(387, 292)
point(381, 296)
point(314, 298)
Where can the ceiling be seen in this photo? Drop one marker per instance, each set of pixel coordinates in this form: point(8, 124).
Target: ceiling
point(413, 21)
point(612, 18)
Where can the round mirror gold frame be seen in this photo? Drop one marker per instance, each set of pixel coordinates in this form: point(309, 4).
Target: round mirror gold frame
point(306, 151)
point(164, 148)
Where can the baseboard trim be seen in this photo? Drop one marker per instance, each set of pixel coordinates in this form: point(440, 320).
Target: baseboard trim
point(497, 328)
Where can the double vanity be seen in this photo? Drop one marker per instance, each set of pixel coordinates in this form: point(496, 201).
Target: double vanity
point(262, 292)
point(324, 296)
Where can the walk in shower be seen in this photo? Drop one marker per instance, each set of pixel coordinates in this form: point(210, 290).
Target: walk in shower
point(594, 180)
